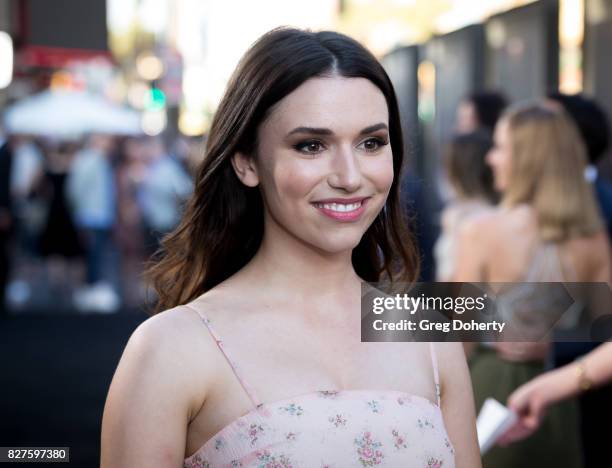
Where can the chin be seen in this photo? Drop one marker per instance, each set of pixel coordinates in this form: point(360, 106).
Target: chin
point(499, 186)
point(339, 244)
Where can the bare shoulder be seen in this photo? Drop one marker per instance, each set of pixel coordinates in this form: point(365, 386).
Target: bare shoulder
point(476, 238)
point(490, 229)
point(158, 387)
point(177, 340)
point(592, 257)
point(597, 244)
point(484, 224)
point(603, 267)
point(176, 333)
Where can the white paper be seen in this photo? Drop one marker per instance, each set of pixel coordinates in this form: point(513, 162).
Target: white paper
point(493, 420)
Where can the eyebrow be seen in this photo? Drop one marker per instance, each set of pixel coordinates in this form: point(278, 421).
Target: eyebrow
point(327, 131)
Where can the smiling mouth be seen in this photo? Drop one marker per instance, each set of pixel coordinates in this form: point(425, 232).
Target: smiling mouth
point(344, 211)
point(340, 207)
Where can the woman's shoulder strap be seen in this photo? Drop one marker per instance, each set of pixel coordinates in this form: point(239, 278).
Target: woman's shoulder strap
point(235, 368)
point(434, 364)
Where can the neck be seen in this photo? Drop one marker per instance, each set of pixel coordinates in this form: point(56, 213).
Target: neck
point(285, 264)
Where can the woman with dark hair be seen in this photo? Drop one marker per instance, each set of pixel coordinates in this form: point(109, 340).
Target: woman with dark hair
point(295, 205)
point(480, 111)
point(471, 181)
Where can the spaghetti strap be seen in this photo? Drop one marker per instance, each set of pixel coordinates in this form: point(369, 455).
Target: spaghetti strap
point(434, 364)
point(247, 388)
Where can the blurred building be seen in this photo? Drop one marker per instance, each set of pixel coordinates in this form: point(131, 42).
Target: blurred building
point(597, 42)
point(51, 36)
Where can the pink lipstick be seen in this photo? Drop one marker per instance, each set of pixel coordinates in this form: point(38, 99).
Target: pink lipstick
point(342, 209)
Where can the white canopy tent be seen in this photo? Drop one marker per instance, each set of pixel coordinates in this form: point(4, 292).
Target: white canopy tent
point(69, 114)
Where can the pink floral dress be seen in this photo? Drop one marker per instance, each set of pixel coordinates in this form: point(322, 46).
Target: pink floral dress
point(328, 428)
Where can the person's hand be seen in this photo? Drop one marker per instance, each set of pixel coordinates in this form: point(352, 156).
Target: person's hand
point(531, 401)
point(522, 351)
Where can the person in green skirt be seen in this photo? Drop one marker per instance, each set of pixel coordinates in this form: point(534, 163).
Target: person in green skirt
point(547, 228)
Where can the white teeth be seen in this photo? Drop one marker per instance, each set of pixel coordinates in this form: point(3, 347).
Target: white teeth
point(340, 207)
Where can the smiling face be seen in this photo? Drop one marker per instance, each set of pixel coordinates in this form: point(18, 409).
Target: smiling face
point(324, 162)
point(500, 156)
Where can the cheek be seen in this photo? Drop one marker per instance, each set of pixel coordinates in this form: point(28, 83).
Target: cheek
point(293, 179)
point(379, 172)
point(495, 160)
point(505, 163)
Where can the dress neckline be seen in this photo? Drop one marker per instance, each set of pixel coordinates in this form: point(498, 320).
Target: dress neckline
point(412, 397)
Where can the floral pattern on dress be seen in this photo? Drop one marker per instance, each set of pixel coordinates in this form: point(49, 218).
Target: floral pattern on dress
point(402, 400)
point(398, 440)
point(368, 450)
point(337, 420)
point(293, 409)
point(424, 423)
point(348, 430)
point(219, 443)
point(267, 460)
point(253, 432)
point(198, 462)
point(374, 406)
point(448, 445)
point(328, 393)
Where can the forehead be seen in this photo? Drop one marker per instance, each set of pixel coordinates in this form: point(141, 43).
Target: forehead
point(501, 129)
point(338, 103)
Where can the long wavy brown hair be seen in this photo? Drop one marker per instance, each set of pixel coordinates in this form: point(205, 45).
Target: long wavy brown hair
point(222, 226)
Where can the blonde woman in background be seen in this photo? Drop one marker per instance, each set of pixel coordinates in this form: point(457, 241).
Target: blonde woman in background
point(547, 228)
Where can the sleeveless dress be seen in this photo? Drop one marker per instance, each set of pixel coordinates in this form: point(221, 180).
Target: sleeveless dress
point(557, 441)
point(330, 428)
point(453, 217)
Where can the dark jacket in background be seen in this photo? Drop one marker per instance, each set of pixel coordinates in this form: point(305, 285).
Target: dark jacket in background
point(6, 210)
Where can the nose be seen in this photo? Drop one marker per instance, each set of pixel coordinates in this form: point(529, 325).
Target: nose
point(345, 173)
point(490, 158)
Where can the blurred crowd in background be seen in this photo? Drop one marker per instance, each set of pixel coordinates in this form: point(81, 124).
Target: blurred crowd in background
point(85, 215)
point(102, 131)
point(130, 99)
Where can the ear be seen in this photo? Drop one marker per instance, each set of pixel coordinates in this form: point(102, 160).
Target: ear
point(244, 166)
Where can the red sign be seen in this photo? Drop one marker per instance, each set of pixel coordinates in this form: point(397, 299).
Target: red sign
point(56, 57)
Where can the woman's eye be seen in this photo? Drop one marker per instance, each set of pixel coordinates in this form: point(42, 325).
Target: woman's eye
point(374, 144)
point(309, 147)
